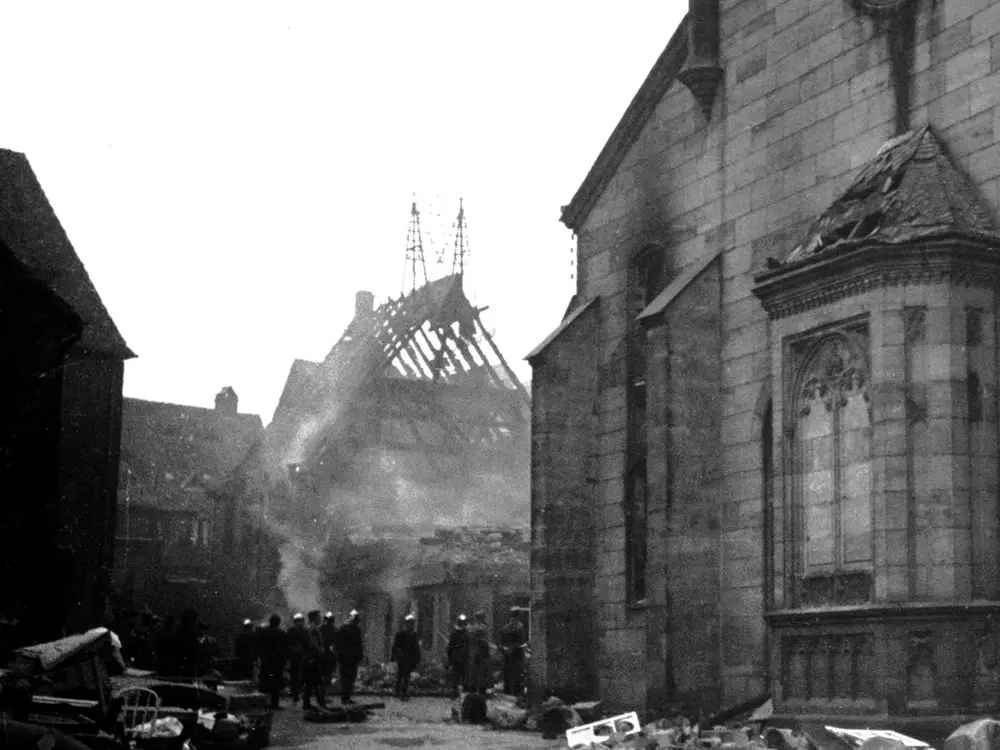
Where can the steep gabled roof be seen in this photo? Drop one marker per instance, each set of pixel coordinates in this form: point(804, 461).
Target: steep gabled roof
point(30, 230)
point(643, 104)
point(170, 451)
point(911, 190)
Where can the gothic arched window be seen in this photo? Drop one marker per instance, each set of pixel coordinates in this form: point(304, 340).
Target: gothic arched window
point(834, 456)
point(646, 277)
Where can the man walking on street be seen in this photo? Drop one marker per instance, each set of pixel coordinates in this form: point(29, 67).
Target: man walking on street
point(406, 654)
point(458, 655)
point(312, 664)
point(297, 642)
point(350, 653)
point(512, 643)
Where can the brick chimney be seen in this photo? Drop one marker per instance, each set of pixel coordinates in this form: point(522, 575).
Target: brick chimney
point(227, 402)
point(364, 305)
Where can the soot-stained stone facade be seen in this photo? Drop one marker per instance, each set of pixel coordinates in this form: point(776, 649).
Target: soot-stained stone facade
point(789, 466)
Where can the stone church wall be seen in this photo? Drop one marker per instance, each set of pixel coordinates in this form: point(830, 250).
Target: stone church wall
point(807, 98)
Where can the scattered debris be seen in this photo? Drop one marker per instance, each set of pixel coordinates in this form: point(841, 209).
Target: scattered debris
point(622, 726)
point(983, 734)
point(555, 717)
point(880, 739)
point(503, 712)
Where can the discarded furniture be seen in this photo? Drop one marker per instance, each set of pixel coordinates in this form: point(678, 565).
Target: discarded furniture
point(140, 708)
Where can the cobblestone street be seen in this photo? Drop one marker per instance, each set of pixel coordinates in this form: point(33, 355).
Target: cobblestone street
point(422, 722)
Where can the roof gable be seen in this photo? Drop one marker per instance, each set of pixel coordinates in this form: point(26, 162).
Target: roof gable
point(172, 449)
point(641, 108)
point(911, 190)
point(32, 233)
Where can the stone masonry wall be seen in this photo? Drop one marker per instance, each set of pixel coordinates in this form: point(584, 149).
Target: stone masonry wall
point(807, 99)
point(563, 521)
point(684, 474)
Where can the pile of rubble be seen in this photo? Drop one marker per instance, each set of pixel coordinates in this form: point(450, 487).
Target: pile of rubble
point(379, 679)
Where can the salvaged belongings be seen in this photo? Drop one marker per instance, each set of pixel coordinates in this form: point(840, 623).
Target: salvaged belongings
point(625, 725)
point(555, 717)
point(876, 739)
point(983, 734)
point(503, 712)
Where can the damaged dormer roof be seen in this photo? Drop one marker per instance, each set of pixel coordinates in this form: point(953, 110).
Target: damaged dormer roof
point(911, 190)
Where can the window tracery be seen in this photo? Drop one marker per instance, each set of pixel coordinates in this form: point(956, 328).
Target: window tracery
point(833, 445)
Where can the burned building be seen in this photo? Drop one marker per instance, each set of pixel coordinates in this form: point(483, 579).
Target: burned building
point(765, 433)
point(413, 420)
point(186, 513)
point(59, 453)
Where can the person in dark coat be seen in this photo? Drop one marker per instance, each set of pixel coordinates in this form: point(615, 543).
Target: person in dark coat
point(406, 654)
point(312, 663)
point(513, 640)
point(244, 652)
point(187, 644)
point(480, 662)
point(297, 641)
point(458, 655)
point(272, 647)
point(328, 632)
point(166, 661)
point(350, 653)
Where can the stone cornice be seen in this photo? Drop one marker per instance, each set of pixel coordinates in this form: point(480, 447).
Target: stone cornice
point(882, 613)
point(861, 268)
point(652, 91)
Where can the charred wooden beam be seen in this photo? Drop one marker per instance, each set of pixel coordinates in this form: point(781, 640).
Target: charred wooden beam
point(510, 373)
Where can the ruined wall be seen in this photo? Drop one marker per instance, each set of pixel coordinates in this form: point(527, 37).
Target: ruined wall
point(564, 542)
point(807, 98)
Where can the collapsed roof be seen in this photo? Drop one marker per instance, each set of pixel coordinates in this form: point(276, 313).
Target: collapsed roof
point(911, 190)
point(423, 363)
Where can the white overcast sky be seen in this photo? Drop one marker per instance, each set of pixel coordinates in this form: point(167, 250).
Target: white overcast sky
point(231, 173)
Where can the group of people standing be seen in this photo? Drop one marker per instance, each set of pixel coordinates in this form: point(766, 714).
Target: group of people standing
point(312, 649)
point(470, 658)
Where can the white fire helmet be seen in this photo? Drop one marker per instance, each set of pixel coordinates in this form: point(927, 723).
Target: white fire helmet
point(353, 614)
point(328, 616)
point(247, 622)
point(298, 616)
point(463, 618)
point(410, 618)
